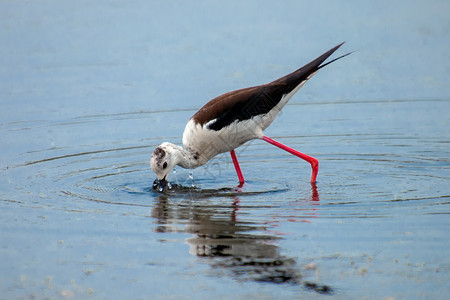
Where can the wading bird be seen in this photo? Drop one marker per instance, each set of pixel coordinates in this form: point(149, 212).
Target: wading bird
point(228, 121)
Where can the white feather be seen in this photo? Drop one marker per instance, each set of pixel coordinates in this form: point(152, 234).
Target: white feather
point(208, 143)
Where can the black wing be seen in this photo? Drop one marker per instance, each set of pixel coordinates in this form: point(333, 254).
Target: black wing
point(250, 102)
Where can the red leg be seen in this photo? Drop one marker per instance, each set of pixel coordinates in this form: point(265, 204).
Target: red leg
point(237, 167)
point(314, 162)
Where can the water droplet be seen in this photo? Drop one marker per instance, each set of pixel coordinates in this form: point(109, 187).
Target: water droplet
point(191, 177)
point(174, 171)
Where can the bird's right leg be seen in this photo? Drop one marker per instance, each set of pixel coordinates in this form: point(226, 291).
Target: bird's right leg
point(313, 161)
point(237, 167)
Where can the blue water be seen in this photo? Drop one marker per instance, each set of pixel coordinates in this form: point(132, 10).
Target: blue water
point(88, 90)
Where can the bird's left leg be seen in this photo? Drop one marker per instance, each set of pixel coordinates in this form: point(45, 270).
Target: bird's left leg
point(314, 162)
point(237, 167)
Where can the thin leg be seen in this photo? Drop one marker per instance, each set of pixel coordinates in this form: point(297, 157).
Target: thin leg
point(314, 162)
point(237, 167)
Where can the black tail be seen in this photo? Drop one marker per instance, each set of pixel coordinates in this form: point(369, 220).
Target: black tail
point(295, 78)
point(321, 66)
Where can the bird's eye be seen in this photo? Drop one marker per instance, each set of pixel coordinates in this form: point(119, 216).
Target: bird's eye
point(165, 165)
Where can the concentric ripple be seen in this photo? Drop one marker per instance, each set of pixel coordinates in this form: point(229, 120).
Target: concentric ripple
point(275, 229)
point(416, 167)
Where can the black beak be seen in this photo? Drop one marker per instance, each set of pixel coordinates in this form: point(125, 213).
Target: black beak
point(159, 185)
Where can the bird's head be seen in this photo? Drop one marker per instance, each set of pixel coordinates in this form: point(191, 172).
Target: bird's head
point(162, 162)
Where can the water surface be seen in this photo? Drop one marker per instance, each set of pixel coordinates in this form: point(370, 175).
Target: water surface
point(85, 100)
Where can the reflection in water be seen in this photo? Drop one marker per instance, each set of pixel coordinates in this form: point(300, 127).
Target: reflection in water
point(235, 247)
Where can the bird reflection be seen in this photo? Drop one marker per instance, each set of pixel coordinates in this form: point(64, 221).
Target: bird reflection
point(314, 192)
point(238, 247)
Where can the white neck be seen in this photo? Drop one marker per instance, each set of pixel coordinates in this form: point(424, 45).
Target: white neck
point(186, 158)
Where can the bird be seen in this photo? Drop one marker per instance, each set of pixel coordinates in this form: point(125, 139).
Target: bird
point(232, 119)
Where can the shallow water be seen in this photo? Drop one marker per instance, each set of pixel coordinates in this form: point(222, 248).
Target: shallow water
point(78, 215)
point(86, 221)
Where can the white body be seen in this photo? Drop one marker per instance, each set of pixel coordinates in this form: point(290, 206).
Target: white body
point(208, 143)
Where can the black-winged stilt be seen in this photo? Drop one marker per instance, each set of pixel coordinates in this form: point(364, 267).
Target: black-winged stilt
point(228, 121)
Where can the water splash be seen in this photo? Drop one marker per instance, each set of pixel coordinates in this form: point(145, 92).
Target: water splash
point(191, 177)
point(174, 172)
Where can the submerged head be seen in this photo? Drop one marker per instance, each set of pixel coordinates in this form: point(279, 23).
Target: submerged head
point(162, 162)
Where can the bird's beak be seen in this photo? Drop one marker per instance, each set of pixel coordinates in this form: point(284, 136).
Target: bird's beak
point(159, 184)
